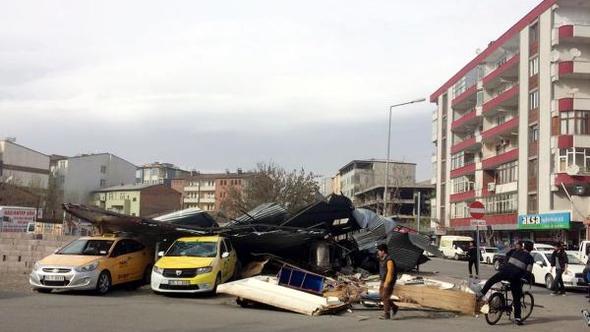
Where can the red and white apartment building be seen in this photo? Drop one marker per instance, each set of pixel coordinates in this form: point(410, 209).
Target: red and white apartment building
point(512, 130)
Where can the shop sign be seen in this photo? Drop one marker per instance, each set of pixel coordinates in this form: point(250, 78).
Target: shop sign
point(556, 220)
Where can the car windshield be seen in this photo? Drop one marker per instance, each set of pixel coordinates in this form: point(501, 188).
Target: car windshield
point(87, 247)
point(574, 260)
point(193, 249)
point(464, 245)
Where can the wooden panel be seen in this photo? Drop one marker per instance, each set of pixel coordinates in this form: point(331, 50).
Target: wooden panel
point(432, 297)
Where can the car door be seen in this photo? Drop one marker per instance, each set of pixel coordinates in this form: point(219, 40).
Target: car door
point(538, 270)
point(232, 259)
point(121, 267)
point(224, 261)
point(137, 260)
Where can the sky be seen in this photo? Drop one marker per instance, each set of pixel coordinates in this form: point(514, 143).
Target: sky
point(215, 85)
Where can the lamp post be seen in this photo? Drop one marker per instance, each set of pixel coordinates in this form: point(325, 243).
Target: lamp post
point(419, 100)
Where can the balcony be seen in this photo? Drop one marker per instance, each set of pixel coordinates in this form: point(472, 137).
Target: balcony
point(566, 179)
point(571, 104)
point(502, 158)
point(508, 97)
point(467, 169)
point(467, 119)
point(574, 33)
point(501, 129)
point(459, 197)
point(466, 99)
point(464, 145)
point(508, 70)
point(574, 69)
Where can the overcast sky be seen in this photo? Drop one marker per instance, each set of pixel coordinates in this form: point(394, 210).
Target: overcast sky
point(219, 84)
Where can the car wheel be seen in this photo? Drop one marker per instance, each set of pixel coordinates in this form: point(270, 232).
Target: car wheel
point(103, 284)
point(456, 257)
point(43, 290)
point(549, 281)
point(147, 275)
point(497, 265)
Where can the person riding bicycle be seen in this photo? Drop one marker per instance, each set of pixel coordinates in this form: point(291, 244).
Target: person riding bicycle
point(517, 267)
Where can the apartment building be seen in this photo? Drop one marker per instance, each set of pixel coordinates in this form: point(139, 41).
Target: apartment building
point(363, 181)
point(142, 200)
point(512, 129)
point(79, 176)
point(159, 173)
point(208, 191)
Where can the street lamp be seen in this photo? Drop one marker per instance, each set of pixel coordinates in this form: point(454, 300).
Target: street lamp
point(419, 100)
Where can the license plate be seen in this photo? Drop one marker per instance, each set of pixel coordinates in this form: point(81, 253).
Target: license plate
point(179, 282)
point(55, 278)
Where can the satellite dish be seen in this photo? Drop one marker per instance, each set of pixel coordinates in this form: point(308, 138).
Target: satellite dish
point(573, 170)
point(555, 55)
point(574, 52)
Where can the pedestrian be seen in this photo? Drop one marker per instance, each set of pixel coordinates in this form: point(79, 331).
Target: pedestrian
point(586, 274)
point(518, 266)
point(472, 259)
point(559, 262)
point(388, 275)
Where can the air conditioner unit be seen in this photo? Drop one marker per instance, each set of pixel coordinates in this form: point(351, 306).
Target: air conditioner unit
point(573, 170)
point(492, 186)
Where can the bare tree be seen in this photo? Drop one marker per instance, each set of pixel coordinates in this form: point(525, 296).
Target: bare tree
point(271, 183)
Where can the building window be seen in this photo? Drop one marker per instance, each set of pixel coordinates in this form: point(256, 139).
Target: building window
point(534, 66)
point(502, 203)
point(500, 119)
point(103, 169)
point(103, 183)
point(462, 184)
point(534, 100)
point(533, 168)
point(568, 158)
point(533, 133)
point(479, 98)
point(533, 203)
point(534, 33)
point(575, 123)
point(461, 159)
point(459, 210)
point(507, 173)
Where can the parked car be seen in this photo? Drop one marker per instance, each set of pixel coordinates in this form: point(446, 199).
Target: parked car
point(543, 274)
point(194, 264)
point(454, 246)
point(488, 253)
point(93, 263)
point(543, 247)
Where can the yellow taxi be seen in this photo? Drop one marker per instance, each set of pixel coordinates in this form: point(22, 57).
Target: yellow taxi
point(93, 263)
point(194, 264)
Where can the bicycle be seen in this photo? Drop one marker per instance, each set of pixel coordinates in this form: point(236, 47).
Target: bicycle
point(501, 302)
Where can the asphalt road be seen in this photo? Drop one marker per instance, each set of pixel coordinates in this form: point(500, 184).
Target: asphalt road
point(124, 310)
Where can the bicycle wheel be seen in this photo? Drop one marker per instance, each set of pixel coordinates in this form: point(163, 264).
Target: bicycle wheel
point(528, 303)
point(497, 304)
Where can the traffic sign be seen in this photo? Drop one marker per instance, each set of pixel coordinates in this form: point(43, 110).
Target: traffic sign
point(477, 210)
point(478, 222)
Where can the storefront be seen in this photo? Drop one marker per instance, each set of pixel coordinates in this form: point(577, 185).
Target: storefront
point(549, 227)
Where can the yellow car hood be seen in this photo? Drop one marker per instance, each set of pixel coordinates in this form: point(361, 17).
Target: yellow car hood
point(183, 262)
point(68, 260)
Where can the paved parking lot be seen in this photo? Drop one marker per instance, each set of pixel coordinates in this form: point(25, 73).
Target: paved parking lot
point(125, 310)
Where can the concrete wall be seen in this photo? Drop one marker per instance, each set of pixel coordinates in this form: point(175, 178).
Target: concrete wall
point(20, 251)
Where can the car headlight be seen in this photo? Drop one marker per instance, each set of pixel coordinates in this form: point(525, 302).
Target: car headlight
point(205, 269)
point(87, 268)
point(37, 266)
point(158, 270)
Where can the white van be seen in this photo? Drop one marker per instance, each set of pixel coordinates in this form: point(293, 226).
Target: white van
point(454, 246)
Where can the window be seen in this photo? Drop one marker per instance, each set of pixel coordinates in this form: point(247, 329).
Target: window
point(532, 203)
point(459, 210)
point(533, 168)
point(461, 159)
point(507, 173)
point(533, 133)
point(500, 119)
point(479, 97)
point(502, 203)
point(462, 184)
point(103, 183)
point(534, 100)
point(103, 169)
point(575, 123)
point(574, 157)
point(534, 33)
point(534, 66)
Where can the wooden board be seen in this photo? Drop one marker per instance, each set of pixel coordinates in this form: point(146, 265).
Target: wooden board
point(431, 297)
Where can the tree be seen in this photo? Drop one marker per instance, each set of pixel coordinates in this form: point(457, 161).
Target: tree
point(271, 183)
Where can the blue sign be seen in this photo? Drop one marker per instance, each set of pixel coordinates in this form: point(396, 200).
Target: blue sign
point(556, 220)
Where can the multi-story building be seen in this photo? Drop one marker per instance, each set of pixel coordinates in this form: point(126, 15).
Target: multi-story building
point(512, 129)
point(143, 200)
point(363, 181)
point(207, 191)
point(159, 173)
point(23, 167)
point(79, 176)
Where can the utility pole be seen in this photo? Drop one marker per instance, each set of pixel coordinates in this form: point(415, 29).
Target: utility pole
point(419, 203)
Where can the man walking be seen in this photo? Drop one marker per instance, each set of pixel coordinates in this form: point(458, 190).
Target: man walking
point(517, 267)
point(388, 274)
point(559, 261)
point(472, 258)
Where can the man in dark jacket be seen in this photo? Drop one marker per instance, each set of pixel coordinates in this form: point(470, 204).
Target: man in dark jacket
point(472, 259)
point(518, 266)
point(388, 274)
point(559, 261)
